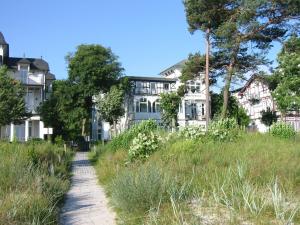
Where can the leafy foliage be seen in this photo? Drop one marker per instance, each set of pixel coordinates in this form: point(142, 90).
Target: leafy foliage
point(268, 117)
point(110, 106)
point(233, 110)
point(192, 132)
point(282, 130)
point(124, 140)
point(169, 104)
point(224, 130)
point(94, 67)
point(64, 110)
point(287, 77)
point(143, 146)
point(12, 102)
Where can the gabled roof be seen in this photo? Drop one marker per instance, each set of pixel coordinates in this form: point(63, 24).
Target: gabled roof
point(35, 64)
point(252, 78)
point(177, 65)
point(2, 39)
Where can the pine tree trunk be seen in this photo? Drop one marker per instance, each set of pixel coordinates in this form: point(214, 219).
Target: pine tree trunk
point(83, 127)
point(207, 105)
point(226, 91)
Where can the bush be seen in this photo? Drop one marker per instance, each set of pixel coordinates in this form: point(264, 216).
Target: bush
point(124, 139)
point(282, 130)
point(143, 145)
point(224, 130)
point(192, 132)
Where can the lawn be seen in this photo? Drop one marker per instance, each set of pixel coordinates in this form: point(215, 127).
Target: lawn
point(34, 178)
point(252, 180)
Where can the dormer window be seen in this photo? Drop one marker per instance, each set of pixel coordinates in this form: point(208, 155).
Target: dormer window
point(23, 73)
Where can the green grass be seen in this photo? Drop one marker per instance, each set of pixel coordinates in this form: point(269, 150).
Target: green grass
point(34, 178)
point(255, 180)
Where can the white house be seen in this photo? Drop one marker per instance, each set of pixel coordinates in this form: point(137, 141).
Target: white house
point(255, 97)
point(143, 102)
point(35, 75)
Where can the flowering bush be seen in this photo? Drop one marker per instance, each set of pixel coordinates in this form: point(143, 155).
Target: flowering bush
point(192, 132)
point(224, 130)
point(143, 145)
point(282, 130)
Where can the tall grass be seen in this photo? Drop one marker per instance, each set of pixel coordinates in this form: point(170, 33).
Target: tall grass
point(34, 178)
point(254, 180)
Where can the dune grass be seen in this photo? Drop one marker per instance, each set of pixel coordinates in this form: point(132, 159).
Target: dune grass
point(34, 178)
point(254, 180)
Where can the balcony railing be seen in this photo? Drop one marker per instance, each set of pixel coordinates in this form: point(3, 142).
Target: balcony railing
point(30, 79)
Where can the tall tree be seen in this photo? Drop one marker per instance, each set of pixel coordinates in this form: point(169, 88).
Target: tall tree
point(12, 101)
point(248, 33)
point(206, 16)
point(92, 68)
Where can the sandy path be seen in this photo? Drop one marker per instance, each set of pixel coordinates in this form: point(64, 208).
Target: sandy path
point(86, 203)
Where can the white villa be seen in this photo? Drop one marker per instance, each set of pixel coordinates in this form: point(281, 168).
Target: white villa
point(255, 97)
point(34, 74)
point(143, 102)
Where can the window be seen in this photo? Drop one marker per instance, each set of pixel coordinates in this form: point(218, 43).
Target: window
point(166, 86)
point(24, 74)
point(156, 106)
point(141, 105)
point(194, 109)
point(193, 87)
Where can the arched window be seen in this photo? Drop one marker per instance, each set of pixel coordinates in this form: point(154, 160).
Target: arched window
point(156, 106)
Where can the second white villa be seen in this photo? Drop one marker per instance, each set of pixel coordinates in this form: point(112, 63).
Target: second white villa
point(143, 102)
point(255, 96)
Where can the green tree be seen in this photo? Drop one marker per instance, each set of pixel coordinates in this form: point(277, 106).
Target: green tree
point(12, 101)
point(287, 77)
point(92, 68)
point(169, 104)
point(268, 117)
point(110, 105)
point(63, 110)
point(234, 110)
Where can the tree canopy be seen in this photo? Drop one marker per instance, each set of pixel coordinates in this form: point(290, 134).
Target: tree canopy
point(12, 101)
point(287, 77)
point(242, 32)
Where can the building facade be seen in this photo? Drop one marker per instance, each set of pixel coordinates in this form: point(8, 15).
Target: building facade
point(143, 102)
point(35, 75)
point(255, 97)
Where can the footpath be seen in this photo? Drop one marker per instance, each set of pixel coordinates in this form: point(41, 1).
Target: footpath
point(86, 203)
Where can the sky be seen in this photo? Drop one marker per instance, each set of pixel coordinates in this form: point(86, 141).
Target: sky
point(148, 36)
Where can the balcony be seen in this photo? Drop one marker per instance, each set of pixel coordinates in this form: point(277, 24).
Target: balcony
point(30, 79)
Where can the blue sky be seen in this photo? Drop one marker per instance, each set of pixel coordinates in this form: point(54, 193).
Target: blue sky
point(147, 35)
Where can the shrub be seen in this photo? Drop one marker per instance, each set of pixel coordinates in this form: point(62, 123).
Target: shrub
point(224, 130)
point(192, 132)
point(282, 130)
point(124, 139)
point(143, 146)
